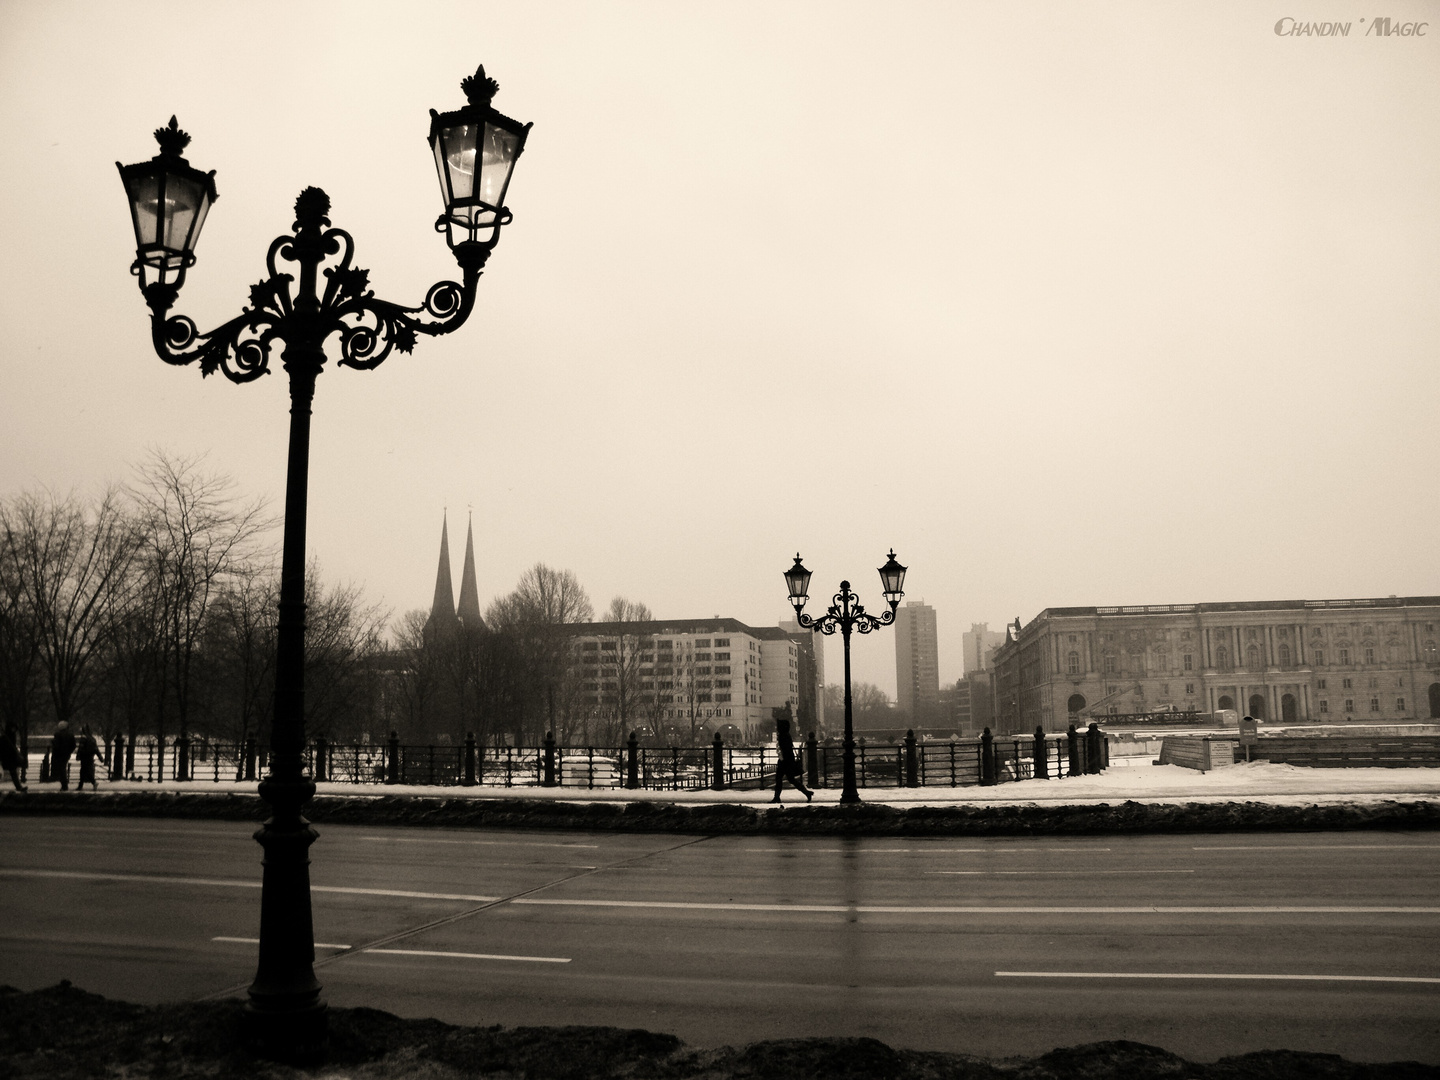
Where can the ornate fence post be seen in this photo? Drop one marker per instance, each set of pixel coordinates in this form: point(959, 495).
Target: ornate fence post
point(1072, 739)
point(632, 762)
point(322, 759)
point(392, 759)
point(549, 759)
point(717, 752)
point(812, 766)
point(987, 757)
point(469, 759)
point(912, 763)
point(1042, 759)
point(1094, 748)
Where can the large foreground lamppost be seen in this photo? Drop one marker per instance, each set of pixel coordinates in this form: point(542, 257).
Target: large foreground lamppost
point(475, 149)
point(846, 614)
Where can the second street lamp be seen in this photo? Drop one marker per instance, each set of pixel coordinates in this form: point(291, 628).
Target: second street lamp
point(845, 615)
point(475, 150)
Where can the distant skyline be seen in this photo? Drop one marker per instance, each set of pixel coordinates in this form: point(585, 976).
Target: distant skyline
point(1115, 303)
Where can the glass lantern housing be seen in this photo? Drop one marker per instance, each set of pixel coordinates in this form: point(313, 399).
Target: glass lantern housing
point(892, 580)
point(475, 150)
point(797, 580)
point(169, 200)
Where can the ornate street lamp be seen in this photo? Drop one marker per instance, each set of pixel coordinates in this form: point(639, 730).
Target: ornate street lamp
point(475, 150)
point(846, 614)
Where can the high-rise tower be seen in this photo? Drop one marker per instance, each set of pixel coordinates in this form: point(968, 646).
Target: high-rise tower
point(917, 662)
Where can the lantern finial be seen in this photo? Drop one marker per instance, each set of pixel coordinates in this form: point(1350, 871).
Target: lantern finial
point(171, 139)
point(311, 206)
point(478, 89)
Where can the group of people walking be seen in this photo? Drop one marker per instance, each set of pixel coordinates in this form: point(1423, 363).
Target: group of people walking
point(63, 746)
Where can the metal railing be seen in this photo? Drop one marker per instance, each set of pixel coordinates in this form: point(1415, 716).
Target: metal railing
point(910, 763)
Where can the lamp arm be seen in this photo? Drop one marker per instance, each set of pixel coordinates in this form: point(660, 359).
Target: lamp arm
point(240, 348)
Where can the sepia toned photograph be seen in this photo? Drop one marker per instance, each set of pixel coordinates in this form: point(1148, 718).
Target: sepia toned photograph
point(701, 541)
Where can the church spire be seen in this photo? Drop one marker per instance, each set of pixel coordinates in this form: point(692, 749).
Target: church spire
point(469, 610)
point(442, 610)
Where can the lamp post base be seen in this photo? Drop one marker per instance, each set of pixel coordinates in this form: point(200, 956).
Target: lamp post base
point(292, 1036)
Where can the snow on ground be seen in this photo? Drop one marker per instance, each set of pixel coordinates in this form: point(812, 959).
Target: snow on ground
point(1256, 781)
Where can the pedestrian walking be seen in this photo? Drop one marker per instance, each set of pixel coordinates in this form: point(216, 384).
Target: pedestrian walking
point(788, 766)
point(10, 756)
point(61, 747)
point(86, 751)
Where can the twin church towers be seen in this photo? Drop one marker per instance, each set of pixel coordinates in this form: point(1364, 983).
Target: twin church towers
point(445, 614)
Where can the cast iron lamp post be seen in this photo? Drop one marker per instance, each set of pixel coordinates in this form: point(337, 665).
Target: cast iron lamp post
point(475, 150)
point(846, 614)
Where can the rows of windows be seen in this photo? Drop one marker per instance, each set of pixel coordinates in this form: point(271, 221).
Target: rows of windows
point(1110, 662)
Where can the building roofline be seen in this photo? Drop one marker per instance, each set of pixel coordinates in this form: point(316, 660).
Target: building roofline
point(654, 627)
point(1239, 606)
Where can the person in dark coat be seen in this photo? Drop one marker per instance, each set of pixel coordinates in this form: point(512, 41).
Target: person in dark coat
point(61, 747)
point(788, 767)
point(86, 751)
point(10, 756)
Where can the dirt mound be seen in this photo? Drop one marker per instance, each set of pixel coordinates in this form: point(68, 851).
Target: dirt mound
point(64, 1033)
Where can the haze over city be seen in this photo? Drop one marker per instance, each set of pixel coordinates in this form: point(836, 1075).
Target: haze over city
point(1113, 304)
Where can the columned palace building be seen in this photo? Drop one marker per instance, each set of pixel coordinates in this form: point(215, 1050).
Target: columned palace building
point(1294, 661)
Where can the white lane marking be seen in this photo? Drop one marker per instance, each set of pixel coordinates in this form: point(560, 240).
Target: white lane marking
point(405, 894)
point(921, 851)
point(1323, 847)
point(236, 883)
point(472, 955)
point(881, 909)
point(1070, 873)
point(1207, 975)
point(256, 941)
point(88, 875)
point(484, 843)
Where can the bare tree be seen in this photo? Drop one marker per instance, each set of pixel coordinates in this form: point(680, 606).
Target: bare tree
point(19, 644)
point(196, 536)
point(535, 648)
point(621, 654)
point(343, 637)
point(240, 646)
point(68, 558)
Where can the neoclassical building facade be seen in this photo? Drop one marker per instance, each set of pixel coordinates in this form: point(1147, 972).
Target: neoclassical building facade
point(1297, 661)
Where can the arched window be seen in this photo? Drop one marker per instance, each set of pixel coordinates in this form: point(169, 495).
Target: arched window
point(1189, 661)
point(1072, 663)
point(1431, 655)
point(1226, 702)
point(1252, 658)
point(1222, 658)
point(1075, 704)
point(1284, 655)
point(1162, 661)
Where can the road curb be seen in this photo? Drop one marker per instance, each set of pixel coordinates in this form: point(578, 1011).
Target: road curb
point(867, 819)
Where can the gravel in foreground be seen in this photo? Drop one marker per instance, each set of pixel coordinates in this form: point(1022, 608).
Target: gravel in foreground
point(64, 1033)
point(722, 819)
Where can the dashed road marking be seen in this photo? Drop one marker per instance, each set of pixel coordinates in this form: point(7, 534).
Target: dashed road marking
point(256, 941)
point(1211, 975)
point(471, 955)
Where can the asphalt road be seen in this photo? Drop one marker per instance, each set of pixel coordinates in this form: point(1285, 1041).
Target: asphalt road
point(1205, 945)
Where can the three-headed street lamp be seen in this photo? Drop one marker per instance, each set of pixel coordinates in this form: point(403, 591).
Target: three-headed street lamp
point(845, 615)
point(475, 150)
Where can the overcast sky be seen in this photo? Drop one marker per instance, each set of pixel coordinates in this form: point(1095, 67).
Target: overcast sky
point(1112, 303)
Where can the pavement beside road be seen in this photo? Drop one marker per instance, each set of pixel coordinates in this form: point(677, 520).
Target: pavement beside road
point(1279, 785)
